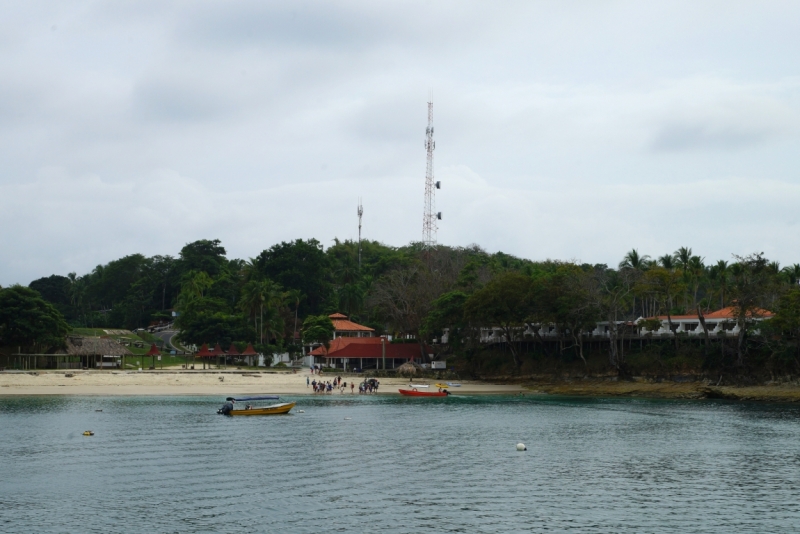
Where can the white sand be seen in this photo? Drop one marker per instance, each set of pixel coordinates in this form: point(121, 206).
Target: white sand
point(202, 383)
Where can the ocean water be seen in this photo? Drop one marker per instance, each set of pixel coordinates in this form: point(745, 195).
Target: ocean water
point(398, 465)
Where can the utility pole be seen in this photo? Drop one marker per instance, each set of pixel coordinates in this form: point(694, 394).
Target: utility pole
point(360, 213)
point(429, 224)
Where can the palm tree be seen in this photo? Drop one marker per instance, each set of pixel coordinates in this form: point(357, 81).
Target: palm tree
point(250, 270)
point(633, 260)
point(696, 269)
point(792, 273)
point(682, 257)
point(294, 296)
point(666, 262)
point(258, 297)
point(351, 297)
point(718, 274)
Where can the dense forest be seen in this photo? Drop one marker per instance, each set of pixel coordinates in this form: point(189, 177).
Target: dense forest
point(420, 294)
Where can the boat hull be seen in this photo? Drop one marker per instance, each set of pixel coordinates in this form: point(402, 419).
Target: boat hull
point(275, 409)
point(412, 393)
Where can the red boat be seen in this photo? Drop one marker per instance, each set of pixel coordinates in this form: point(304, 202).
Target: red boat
point(415, 393)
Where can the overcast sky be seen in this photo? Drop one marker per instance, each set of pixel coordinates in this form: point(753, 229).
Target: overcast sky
point(569, 130)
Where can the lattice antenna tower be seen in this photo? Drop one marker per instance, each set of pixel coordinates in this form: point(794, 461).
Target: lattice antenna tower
point(360, 213)
point(430, 218)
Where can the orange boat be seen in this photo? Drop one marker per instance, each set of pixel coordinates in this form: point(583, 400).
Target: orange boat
point(415, 393)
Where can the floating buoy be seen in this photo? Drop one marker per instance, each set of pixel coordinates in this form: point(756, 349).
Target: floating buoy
point(88, 433)
point(521, 447)
point(347, 418)
point(301, 411)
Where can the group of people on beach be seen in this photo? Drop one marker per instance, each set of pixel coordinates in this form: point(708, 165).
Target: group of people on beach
point(368, 386)
point(330, 385)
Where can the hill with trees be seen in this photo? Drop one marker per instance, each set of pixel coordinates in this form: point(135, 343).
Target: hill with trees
point(425, 294)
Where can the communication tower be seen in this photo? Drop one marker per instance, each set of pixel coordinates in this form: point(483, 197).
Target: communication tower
point(430, 218)
point(360, 213)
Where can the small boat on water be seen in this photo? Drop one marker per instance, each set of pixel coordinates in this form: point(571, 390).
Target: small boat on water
point(415, 393)
point(248, 409)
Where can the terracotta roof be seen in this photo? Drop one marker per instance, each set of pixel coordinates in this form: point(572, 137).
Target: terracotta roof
point(368, 347)
point(342, 324)
point(153, 351)
point(249, 351)
point(724, 313)
point(204, 352)
point(232, 351)
point(729, 313)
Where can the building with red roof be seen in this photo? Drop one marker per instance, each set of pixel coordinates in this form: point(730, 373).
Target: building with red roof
point(344, 327)
point(369, 352)
point(716, 321)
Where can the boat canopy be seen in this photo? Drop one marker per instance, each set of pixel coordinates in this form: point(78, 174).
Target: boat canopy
point(262, 397)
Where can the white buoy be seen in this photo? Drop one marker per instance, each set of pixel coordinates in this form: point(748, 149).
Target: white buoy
point(301, 411)
point(347, 418)
point(521, 447)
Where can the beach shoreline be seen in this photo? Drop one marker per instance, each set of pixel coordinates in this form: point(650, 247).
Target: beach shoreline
point(226, 382)
point(216, 382)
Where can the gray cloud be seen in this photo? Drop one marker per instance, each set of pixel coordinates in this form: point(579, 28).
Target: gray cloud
point(703, 136)
point(140, 126)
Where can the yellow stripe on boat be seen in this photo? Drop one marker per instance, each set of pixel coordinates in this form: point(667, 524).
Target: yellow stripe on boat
point(275, 409)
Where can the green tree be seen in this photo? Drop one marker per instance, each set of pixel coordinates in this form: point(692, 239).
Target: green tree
point(751, 281)
point(447, 314)
point(28, 321)
point(300, 265)
point(318, 329)
point(203, 255)
point(505, 302)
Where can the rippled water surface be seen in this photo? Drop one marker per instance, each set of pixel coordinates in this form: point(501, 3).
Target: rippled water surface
point(398, 465)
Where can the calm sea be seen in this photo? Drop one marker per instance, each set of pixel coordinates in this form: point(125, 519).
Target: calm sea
point(398, 465)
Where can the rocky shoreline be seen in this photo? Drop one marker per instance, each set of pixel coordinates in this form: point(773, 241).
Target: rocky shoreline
point(647, 388)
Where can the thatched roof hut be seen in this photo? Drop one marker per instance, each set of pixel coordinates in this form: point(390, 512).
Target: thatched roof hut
point(94, 346)
point(409, 368)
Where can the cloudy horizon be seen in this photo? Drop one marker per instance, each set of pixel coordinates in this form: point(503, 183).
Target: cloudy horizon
point(564, 130)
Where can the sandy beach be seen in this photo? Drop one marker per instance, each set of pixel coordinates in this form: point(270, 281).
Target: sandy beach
point(226, 382)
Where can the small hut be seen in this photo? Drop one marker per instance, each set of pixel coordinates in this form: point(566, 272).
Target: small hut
point(218, 352)
point(409, 368)
point(92, 352)
point(250, 354)
point(232, 352)
point(204, 353)
point(153, 352)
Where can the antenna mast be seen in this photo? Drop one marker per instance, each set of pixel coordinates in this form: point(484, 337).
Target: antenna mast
point(429, 225)
point(360, 213)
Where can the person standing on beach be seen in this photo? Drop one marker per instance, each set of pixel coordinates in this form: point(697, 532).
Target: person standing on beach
point(352, 385)
point(308, 381)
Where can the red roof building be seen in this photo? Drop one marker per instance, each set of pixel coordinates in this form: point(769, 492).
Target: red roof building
point(368, 352)
point(342, 326)
point(724, 313)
